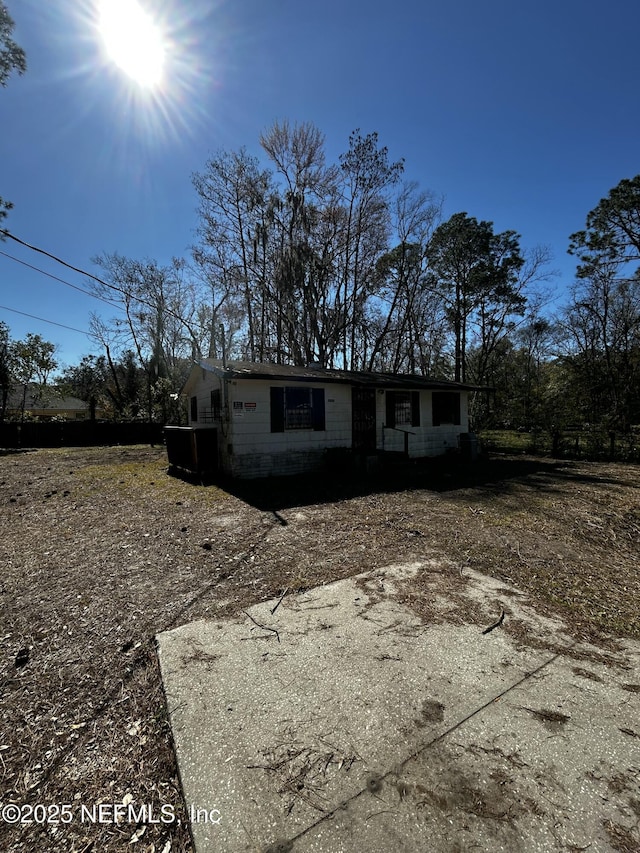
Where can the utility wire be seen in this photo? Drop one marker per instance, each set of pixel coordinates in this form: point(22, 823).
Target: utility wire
point(101, 281)
point(62, 281)
point(58, 260)
point(52, 322)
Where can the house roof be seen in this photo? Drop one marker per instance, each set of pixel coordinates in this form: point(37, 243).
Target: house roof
point(312, 373)
point(48, 398)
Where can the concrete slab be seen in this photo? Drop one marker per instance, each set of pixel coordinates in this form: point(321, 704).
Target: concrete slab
point(346, 724)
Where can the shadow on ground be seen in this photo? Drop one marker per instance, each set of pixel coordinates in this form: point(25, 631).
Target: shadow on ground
point(16, 451)
point(489, 474)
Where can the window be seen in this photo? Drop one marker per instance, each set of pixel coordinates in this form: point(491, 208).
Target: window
point(446, 408)
point(403, 408)
point(194, 409)
point(215, 404)
point(402, 405)
point(297, 408)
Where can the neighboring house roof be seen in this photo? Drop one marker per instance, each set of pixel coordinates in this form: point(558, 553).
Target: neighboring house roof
point(47, 398)
point(312, 373)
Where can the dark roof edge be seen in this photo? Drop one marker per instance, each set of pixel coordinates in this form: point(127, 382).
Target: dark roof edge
point(333, 376)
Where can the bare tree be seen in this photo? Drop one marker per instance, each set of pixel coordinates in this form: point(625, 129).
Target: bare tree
point(303, 241)
point(367, 176)
point(234, 209)
point(602, 335)
point(402, 337)
point(159, 320)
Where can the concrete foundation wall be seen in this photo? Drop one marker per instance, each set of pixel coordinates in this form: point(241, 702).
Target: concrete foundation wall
point(252, 465)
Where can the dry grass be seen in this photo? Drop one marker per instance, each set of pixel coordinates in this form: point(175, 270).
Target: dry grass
point(101, 550)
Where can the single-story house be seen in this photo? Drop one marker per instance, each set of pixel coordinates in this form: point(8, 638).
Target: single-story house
point(45, 403)
point(259, 420)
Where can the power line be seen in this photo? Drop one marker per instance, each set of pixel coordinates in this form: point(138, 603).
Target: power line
point(51, 322)
point(62, 281)
point(60, 261)
point(101, 281)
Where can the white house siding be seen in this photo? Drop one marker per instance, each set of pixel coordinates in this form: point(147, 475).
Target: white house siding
point(424, 440)
point(201, 385)
point(250, 449)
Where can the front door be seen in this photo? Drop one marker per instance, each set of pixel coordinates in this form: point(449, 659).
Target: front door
point(363, 419)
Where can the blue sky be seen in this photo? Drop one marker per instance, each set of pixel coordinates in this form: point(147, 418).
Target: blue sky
point(525, 114)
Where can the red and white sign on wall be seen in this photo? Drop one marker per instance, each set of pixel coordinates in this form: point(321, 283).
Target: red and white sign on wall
point(239, 408)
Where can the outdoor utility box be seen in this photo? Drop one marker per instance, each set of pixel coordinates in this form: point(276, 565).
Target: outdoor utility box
point(469, 446)
point(192, 449)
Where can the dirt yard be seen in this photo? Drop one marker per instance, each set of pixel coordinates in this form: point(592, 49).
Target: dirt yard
point(101, 549)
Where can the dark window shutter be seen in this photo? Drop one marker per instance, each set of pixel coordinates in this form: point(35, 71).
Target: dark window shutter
point(194, 409)
point(277, 409)
point(215, 404)
point(415, 408)
point(317, 409)
point(390, 399)
point(456, 409)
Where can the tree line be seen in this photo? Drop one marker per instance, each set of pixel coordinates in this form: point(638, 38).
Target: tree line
point(345, 265)
point(349, 265)
point(113, 386)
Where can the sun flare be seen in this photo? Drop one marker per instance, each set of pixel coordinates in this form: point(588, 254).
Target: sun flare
point(132, 40)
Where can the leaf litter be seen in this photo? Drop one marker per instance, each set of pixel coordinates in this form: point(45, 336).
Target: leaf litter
point(102, 549)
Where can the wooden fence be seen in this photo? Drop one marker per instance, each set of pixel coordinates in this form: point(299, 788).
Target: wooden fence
point(78, 433)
